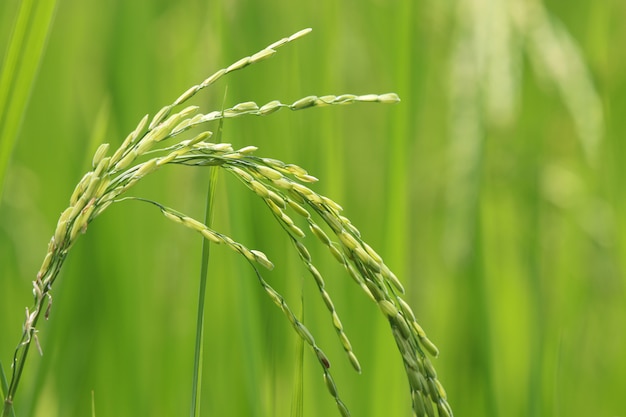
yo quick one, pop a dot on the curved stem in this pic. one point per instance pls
(19, 360)
(29, 333)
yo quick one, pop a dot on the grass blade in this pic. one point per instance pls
(3, 382)
(19, 70)
(204, 270)
(4, 388)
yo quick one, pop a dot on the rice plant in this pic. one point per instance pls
(176, 135)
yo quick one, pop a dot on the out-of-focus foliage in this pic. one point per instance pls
(493, 190)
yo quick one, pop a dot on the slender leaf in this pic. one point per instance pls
(204, 270)
(4, 388)
(3, 382)
(19, 70)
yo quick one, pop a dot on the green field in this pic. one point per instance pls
(494, 191)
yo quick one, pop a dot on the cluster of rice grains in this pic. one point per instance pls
(281, 186)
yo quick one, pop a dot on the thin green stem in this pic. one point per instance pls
(28, 336)
(8, 410)
(206, 251)
(19, 361)
(297, 404)
(3, 382)
(206, 247)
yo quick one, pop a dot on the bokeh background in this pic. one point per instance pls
(494, 190)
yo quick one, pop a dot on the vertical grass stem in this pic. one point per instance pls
(204, 270)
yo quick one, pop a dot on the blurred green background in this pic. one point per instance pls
(494, 190)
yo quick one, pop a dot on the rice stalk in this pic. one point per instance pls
(297, 402)
(4, 387)
(204, 271)
(282, 186)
